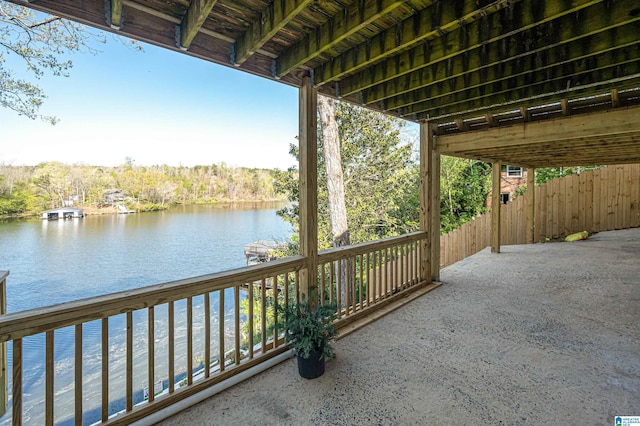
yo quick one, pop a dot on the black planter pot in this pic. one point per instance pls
(312, 367)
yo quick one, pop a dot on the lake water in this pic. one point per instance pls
(59, 261)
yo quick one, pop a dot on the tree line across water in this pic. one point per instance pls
(29, 190)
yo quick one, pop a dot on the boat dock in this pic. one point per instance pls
(62, 213)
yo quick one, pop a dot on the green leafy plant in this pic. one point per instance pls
(308, 330)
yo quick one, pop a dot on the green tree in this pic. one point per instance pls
(378, 175)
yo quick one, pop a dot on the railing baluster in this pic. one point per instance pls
(151, 350)
(49, 377)
(78, 375)
(323, 282)
(263, 314)
(275, 311)
(172, 336)
(332, 277)
(129, 361)
(251, 326)
(105, 369)
(189, 340)
(236, 309)
(336, 266)
(207, 335)
(17, 383)
(297, 284)
(360, 283)
(381, 266)
(221, 330)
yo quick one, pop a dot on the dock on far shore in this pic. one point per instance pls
(123, 210)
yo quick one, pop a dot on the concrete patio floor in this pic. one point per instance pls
(539, 334)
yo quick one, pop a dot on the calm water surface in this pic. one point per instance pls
(60, 261)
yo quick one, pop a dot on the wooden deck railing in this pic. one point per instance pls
(224, 318)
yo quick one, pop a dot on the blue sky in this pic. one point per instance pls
(157, 107)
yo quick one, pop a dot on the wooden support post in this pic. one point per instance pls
(426, 186)
(435, 214)
(531, 205)
(4, 366)
(495, 208)
(308, 178)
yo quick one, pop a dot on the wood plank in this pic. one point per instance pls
(619, 199)
(434, 228)
(334, 31)
(207, 334)
(274, 18)
(263, 314)
(604, 198)
(625, 192)
(193, 20)
(588, 201)
(495, 208)
(129, 373)
(237, 332)
(635, 195)
(596, 200)
(16, 393)
(221, 362)
(114, 13)
(77, 382)
(251, 318)
(4, 359)
(599, 125)
(612, 193)
(426, 199)
(171, 344)
(276, 301)
(151, 353)
(308, 187)
(531, 206)
(189, 340)
(105, 370)
(49, 378)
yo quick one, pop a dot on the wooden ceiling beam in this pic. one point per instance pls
(275, 17)
(114, 13)
(526, 15)
(494, 62)
(614, 122)
(193, 20)
(352, 19)
(509, 91)
(430, 23)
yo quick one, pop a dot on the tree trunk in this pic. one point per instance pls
(335, 189)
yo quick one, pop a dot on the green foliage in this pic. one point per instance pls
(546, 174)
(464, 189)
(379, 178)
(306, 329)
(29, 190)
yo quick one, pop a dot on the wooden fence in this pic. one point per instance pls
(595, 200)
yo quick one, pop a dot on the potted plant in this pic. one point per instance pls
(310, 333)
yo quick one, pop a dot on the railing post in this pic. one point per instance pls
(308, 180)
(4, 378)
(434, 234)
(531, 205)
(495, 208)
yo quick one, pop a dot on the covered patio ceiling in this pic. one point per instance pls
(461, 65)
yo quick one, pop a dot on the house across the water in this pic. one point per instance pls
(62, 213)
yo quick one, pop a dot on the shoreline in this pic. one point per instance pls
(101, 211)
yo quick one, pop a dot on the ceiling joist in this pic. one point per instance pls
(356, 16)
(432, 22)
(526, 15)
(494, 63)
(277, 15)
(114, 13)
(193, 20)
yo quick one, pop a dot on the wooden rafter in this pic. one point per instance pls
(192, 21)
(487, 65)
(461, 41)
(114, 13)
(273, 19)
(430, 23)
(356, 16)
